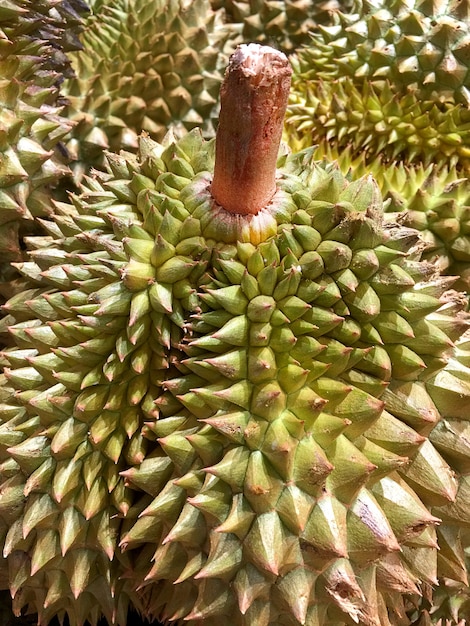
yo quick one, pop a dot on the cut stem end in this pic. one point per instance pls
(253, 104)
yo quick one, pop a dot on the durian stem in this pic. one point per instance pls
(253, 104)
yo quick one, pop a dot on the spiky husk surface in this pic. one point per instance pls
(34, 39)
(236, 403)
(285, 24)
(377, 120)
(418, 44)
(388, 79)
(145, 66)
(449, 602)
(55, 24)
(433, 199)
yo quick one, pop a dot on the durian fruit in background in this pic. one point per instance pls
(422, 44)
(285, 24)
(146, 66)
(435, 201)
(208, 414)
(35, 37)
(390, 78)
(62, 497)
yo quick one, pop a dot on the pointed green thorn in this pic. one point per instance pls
(224, 559)
(263, 541)
(296, 590)
(326, 529)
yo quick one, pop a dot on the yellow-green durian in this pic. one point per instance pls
(389, 79)
(146, 66)
(231, 404)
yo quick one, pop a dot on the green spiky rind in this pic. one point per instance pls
(30, 163)
(418, 44)
(164, 365)
(450, 391)
(145, 67)
(33, 63)
(433, 199)
(70, 443)
(376, 120)
(448, 602)
(286, 24)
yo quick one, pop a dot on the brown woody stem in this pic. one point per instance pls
(253, 104)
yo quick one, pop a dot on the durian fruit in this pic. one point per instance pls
(217, 387)
(422, 44)
(35, 37)
(281, 23)
(62, 498)
(145, 66)
(242, 527)
(389, 78)
(433, 199)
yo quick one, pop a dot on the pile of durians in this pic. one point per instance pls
(216, 410)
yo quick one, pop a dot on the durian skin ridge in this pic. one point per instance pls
(196, 358)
